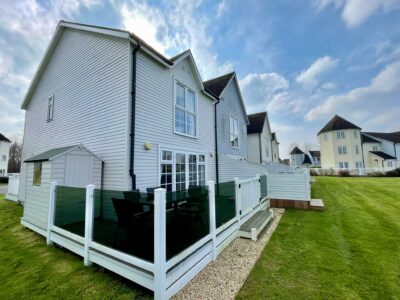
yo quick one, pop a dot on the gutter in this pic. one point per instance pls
(133, 117)
(216, 142)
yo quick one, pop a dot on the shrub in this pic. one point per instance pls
(313, 172)
(376, 174)
(393, 173)
(344, 173)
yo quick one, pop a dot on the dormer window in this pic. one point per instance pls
(50, 108)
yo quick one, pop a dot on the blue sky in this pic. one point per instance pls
(302, 61)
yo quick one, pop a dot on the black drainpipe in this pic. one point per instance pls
(259, 141)
(395, 155)
(216, 141)
(362, 154)
(133, 116)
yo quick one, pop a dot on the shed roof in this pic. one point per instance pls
(383, 155)
(338, 123)
(4, 139)
(49, 154)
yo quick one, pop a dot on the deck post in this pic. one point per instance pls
(89, 211)
(160, 244)
(50, 213)
(213, 229)
(237, 198)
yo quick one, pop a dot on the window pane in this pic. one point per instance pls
(191, 102)
(202, 175)
(179, 120)
(166, 155)
(180, 175)
(180, 95)
(191, 124)
(235, 127)
(192, 169)
(37, 173)
(202, 158)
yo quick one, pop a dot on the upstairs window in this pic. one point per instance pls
(357, 150)
(374, 148)
(355, 134)
(342, 150)
(390, 163)
(50, 108)
(325, 137)
(3, 157)
(185, 111)
(340, 135)
(37, 173)
(234, 132)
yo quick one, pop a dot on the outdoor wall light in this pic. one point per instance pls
(147, 146)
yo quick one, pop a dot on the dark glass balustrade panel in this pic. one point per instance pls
(225, 202)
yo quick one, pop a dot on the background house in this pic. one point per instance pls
(4, 154)
(296, 157)
(259, 139)
(275, 148)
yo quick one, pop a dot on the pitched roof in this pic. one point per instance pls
(217, 85)
(393, 137)
(338, 123)
(273, 135)
(4, 139)
(382, 155)
(256, 124)
(296, 150)
(315, 153)
(367, 139)
(49, 154)
(307, 160)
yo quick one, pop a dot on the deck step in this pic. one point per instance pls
(317, 204)
(253, 226)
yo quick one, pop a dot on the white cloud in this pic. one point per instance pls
(363, 102)
(174, 28)
(221, 8)
(260, 90)
(355, 12)
(310, 77)
(328, 85)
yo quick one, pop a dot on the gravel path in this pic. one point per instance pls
(223, 278)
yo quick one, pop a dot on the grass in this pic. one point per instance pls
(31, 270)
(350, 251)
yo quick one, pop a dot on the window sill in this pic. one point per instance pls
(186, 135)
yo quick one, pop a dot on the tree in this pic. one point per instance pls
(14, 163)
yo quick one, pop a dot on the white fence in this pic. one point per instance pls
(289, 185)
(13, 187)
(167, 276)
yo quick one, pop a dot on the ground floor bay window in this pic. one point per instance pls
(181, 169)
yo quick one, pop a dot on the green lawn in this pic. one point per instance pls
(350, 251)
(30, 269)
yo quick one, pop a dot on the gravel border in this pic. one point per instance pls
(223, 278)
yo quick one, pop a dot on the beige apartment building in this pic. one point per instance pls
(344, 146)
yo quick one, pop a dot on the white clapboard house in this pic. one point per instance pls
(119, 159)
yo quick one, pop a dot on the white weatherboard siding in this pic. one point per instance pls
(88, 74)
(155, 118)
(290, 186)
(253, 148)
(230, 105)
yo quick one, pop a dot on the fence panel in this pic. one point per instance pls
(290, 186)
(13, 187)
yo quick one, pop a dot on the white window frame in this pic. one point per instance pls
(357, 150)
(340, 135)
(391, 163)
(196, 114)
(355, 134)
(231, 133)
(4, 157)
(187, 153)
(374, 148)
(342, 150)
(50, 108)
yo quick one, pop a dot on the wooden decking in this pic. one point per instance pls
(252, 227)
(317, 204)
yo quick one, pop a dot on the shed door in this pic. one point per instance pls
(78, 170)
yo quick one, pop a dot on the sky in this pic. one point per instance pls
(302, 61)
